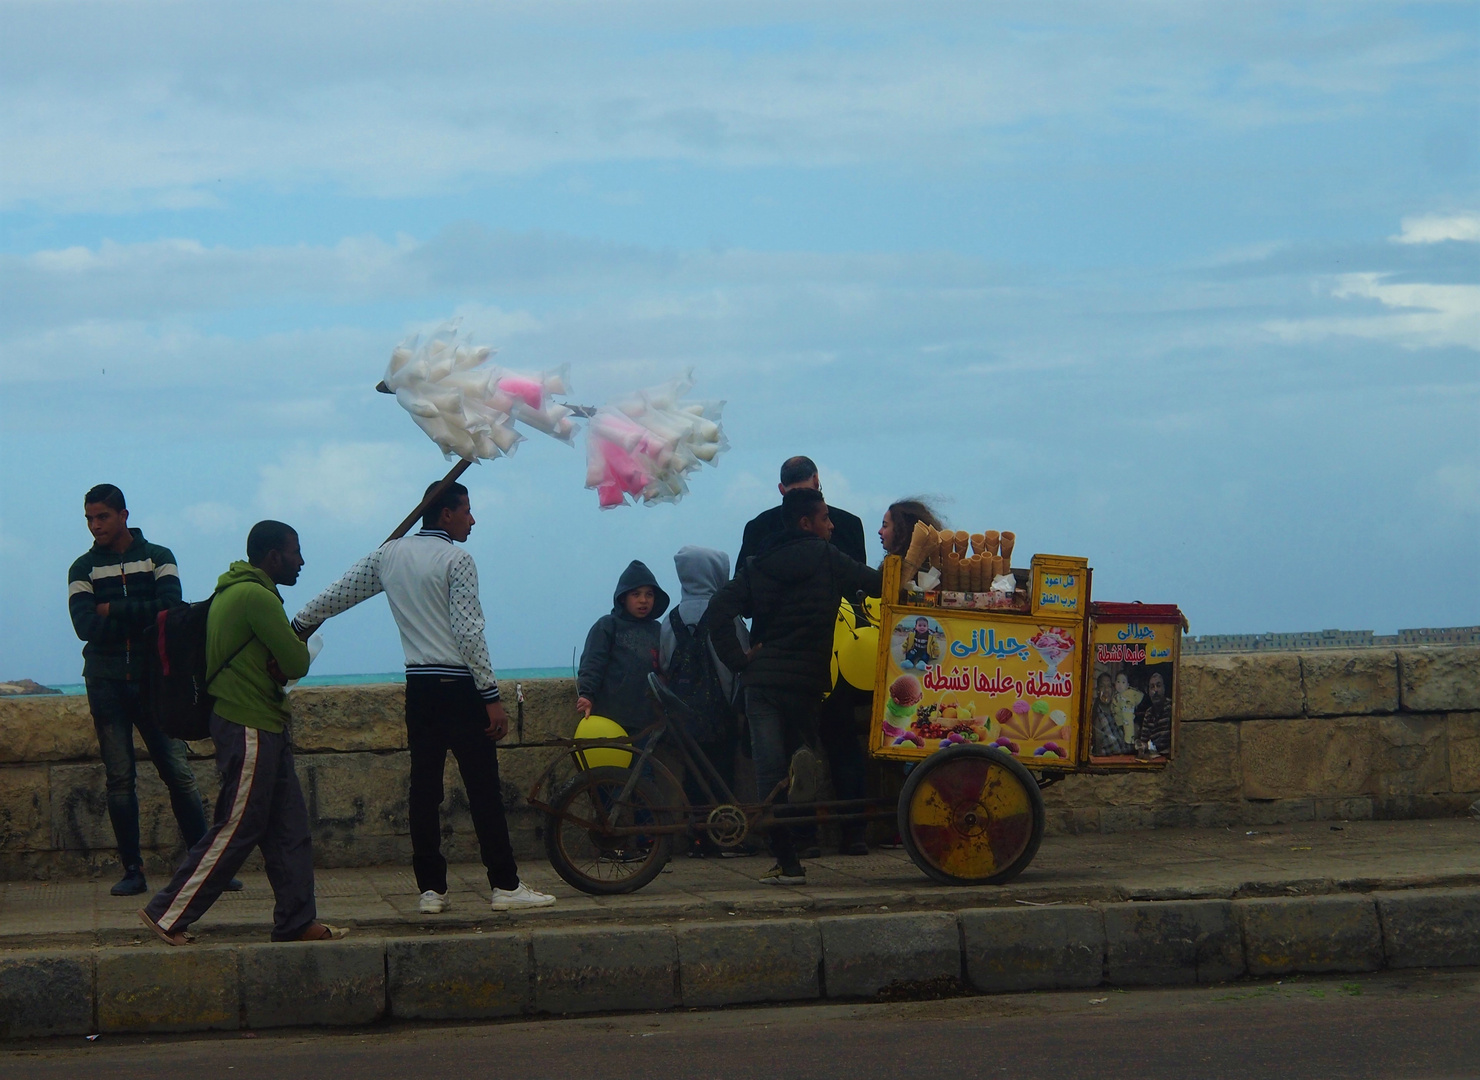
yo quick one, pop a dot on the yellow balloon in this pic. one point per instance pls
(855, 648)
(601, 727)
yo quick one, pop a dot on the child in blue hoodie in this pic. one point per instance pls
(622, 650)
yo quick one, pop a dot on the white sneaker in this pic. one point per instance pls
(522, 897)
(432, 903)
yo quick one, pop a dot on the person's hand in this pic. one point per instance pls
(276, 672)
(103, 610)
(498, 721)
(583, 706)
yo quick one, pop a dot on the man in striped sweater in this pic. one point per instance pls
(114, 592)
(452, 698)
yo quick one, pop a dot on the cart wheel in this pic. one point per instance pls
(591, 858)
(971, 815)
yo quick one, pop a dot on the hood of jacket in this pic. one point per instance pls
(702, 572)
(637, 574)
(239, 572)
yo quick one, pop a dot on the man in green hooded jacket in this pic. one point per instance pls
(255, 651)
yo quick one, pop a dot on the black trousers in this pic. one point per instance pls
(444, 712)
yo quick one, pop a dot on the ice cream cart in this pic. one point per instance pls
(993, 696)
(985, 696)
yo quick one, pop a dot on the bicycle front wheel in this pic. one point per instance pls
(593, 836)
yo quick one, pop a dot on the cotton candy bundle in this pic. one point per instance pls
(468, 406)
(644, 445)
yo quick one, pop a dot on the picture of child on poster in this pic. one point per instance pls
(918, 642)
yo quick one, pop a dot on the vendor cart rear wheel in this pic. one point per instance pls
(971, 815)
(580, 837)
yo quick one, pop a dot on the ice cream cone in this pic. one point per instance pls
(951, 575)
(961, 540)
(990, 538)
(922, 545)
(974, 574)
(1008, 540)
(978, 543)
(945, 544)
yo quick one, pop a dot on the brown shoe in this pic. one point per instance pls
(321, 932)
(179, 937)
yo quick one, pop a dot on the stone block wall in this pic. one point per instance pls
(1266, 738)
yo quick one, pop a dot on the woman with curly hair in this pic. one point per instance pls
(899, 524)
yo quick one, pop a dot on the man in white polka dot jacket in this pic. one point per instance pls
(452, 698)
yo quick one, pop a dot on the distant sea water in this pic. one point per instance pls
(505, 675)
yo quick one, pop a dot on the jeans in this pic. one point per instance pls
(780, 723)
(117, 708)
(445, 713)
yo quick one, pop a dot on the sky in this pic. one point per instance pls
(1189, 289)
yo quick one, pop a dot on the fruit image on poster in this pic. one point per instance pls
(1133, 692)
(966, 679)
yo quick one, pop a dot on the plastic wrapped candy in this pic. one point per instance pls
(643, 446)
(468, 406)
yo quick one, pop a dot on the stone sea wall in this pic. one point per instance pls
(1266, 738)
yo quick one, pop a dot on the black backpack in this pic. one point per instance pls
(179, 698)
(693, 677)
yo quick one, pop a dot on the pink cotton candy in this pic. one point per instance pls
(530, 391)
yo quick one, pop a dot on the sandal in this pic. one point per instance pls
(321, 932)
(179, 937)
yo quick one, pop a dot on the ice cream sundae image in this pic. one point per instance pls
(1052, 644)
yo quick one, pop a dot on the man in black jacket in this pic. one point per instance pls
(790, 590)
(801, 472)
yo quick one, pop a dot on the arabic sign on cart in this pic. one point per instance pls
(1133, 693)
(971, 677)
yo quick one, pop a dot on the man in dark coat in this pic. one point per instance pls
(801, 472)
(790, 591)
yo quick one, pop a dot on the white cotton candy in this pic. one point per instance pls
(453, 393)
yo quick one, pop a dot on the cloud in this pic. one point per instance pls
(339, 484)
(1420, 315)
(1437, 228)
(126, 105)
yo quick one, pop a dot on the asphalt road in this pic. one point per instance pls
(1414, 1025)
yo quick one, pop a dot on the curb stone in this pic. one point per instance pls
(163, 989)
(1033, 949)
(1172, 941)
(606, 970)
(460, 977)
(46, 993)
(737, 963)
(301, 983)
(1311, 934)
(863, 954)
(1432, 928)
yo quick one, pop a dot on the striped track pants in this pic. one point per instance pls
(260, 805)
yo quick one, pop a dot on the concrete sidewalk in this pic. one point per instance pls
(1316, 858)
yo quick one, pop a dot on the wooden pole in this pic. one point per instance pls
(431, 496)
